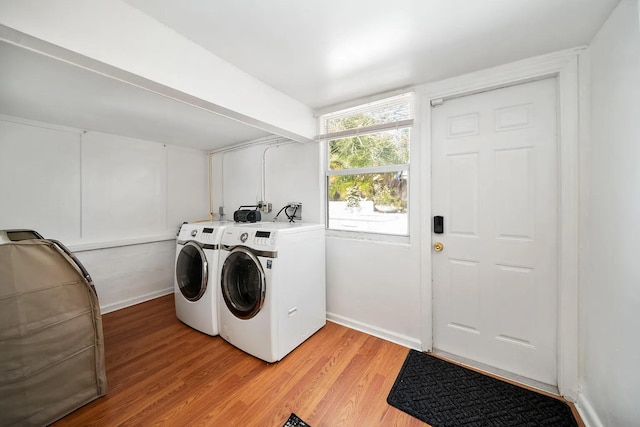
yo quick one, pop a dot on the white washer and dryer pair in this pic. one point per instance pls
(196, 280)
(273, 290)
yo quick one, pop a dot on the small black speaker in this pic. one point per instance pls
(246, 215)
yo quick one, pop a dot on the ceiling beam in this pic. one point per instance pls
(114, 39)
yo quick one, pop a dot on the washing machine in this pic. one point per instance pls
(272, 283)
(196, 275)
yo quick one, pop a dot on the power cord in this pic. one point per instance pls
(293, 216)
(285, 208)
(279, 212)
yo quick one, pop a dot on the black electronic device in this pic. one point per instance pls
(438, 224)
(247, 215)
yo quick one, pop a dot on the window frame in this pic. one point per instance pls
(326, 138)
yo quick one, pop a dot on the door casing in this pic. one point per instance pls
(564, 66)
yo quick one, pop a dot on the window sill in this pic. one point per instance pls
(368, 236)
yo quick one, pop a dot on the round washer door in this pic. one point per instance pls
(192, 271)
(243, 283)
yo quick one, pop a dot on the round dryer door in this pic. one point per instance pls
(192, 271)
(243, 283)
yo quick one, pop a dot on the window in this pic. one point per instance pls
(368, 166)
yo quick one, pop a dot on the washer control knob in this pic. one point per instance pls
(244, 237)
(193, 233)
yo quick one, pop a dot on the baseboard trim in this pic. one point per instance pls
(384, 334)
(587, 413)
(108, 308)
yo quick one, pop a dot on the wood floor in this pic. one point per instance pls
(161, 372)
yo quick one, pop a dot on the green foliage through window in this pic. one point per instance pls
(367, 176)
(388, 191)
(374, 149)
(365, 151)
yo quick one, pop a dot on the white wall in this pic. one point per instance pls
(372, 286)
(117, 34)
(40, 184)
(374, 282)
(123, 187)
(610, 272)
(115, 201)
(291, 175)
(375, 287)
(127, 275)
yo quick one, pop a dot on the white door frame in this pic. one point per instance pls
(564, 66)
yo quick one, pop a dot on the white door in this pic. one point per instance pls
(494, 165)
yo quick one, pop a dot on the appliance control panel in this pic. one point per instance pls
(264, 238)
(258, 239)
(206, 234)
(203, 234)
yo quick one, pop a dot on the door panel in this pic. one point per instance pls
(495, 182)
(463, 194)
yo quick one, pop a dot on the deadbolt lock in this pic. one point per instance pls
(438, 246)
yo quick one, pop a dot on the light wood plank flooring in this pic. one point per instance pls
(161, 372)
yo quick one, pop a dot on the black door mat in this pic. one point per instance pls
(443, 394)
(295, 421)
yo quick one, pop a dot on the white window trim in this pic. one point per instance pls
(328, 172)
(366, 130)
(374, 169)
(372, 236)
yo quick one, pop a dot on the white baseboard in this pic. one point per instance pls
(135, 300)
(587, 413)
(394, 337)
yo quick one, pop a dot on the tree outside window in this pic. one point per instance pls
(367, 174)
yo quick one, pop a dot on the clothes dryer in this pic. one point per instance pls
(196, 275)
(272, 285)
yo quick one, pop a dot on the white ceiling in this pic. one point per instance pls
(37, 87)
(320, 53)
(323, 52)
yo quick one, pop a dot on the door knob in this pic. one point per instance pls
(438, 246)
